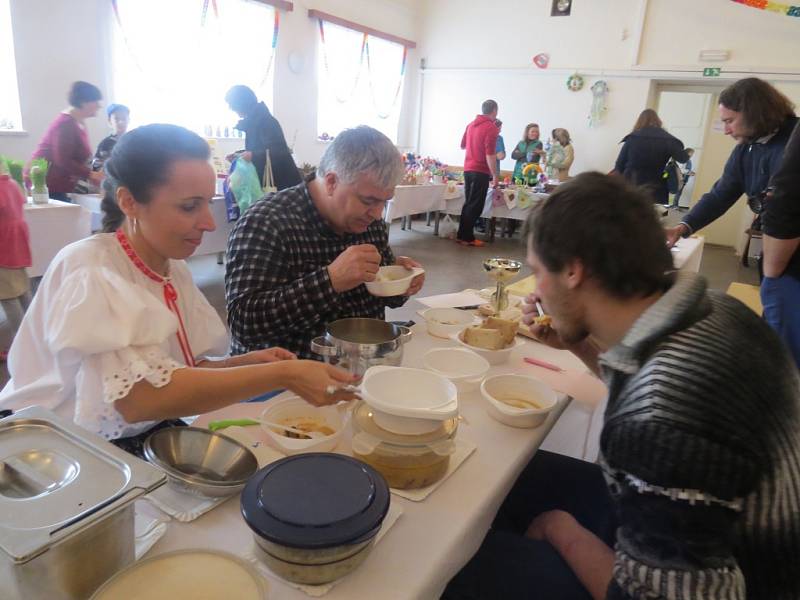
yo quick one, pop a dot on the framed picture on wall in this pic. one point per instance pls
(561, 8)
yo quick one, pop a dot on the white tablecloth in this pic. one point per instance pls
(688, 253)
(214, 242)
(415, 199)
(455, 202)
(53, 226)
(434, 538)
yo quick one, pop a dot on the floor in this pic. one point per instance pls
(450, 267)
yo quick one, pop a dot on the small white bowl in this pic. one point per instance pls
(463, 367)
(493, 357)
(291, 408)
(444, 322)
(520, 387)
(392, 280)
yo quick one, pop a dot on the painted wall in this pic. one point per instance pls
(74, 42)
(471, 56)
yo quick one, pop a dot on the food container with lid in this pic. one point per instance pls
(66, 507)
(407, 461)
(357, 344)
(194, 574)
(315, 516)
(409, 401)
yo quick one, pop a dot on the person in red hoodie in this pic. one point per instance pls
(15, 253)
(479, 140)
(65, 144)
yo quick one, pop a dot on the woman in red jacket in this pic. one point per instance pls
(65, 144)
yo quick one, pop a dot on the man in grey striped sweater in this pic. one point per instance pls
(700, 446)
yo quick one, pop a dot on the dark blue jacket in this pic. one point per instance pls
(748, 171)
(644, 155)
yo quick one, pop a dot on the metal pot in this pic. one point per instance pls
(358, 344)
(66, 507)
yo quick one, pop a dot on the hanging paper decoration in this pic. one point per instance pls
(204, 12)
(387, 113)
(275, 28)
(789, 10)
(541, 60)
(575, 82)
(327, 67)
(599, 100)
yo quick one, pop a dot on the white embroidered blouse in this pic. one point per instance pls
(97, 326)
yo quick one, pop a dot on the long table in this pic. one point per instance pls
(411, 200)
(434, 538)
(53, 226)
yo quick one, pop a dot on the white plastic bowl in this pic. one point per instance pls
(493, 357)
(523, 388)
(294, 407)
(444, 322)
(463, 367)
(409, 401)
(392, 280)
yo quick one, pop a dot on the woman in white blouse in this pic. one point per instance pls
(118, 337)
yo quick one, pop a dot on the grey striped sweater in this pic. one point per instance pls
(701, 448)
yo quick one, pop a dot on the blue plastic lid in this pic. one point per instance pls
(316, 500)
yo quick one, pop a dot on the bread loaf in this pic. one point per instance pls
(480, 337)
(507, 328)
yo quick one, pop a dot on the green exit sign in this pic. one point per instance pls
(711, 72)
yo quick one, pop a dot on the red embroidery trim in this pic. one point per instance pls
(170, 295)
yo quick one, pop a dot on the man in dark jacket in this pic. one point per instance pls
(760, 119)
(263, 134)
(645, 152)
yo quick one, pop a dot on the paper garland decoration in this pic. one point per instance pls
(599, 100)
(362, 53)
(575, 83)
(789, 10)
(541, 60)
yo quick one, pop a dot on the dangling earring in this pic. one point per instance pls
(134, 226)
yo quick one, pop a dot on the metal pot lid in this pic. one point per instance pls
(57, 478)
(363, 331)
(316, 500)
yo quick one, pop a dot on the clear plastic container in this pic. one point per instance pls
(405, 461)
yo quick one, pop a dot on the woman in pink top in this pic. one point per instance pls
(15, 252)
(65, 144)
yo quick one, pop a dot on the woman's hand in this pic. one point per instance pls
(268, 355)
(314, 381)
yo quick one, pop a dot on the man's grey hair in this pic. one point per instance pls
(362, 150)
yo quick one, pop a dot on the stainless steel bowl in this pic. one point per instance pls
(357, 344)
(201, 462)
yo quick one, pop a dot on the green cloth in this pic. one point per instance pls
(525, 147)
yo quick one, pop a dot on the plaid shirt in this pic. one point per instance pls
(277, 285)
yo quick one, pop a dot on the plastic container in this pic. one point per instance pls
(409, 401)
(493, 357)
(463, 367)
(278, 411)
(315, 516)
(405, 461)
(444, 322)
(393, 280)
(507, 395)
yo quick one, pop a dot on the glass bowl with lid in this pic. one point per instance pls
(406, 461)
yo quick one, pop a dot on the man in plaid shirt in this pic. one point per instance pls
(298, 259)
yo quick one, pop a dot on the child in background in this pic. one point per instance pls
(118, 118)
(15, 253)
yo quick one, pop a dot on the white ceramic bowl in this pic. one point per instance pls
(519, 387)
(493, 357)
(409, 401)
(463, 367)
(392, 280)
(444, 322)
(291, 408)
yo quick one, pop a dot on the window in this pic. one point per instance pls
(360, 81)
(10, 117)
(174, 61)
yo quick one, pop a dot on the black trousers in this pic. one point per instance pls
(509, 565)
(476, 186)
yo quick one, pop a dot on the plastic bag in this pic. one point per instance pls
(243, 182)
(447, 227)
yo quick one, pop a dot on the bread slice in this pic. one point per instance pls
(480, 337)
(507, 328)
